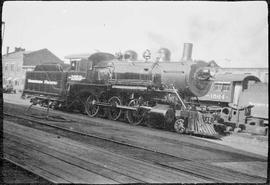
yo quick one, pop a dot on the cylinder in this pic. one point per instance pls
(187, 51)
(162, 112)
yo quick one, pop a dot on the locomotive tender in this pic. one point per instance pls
(106, 86)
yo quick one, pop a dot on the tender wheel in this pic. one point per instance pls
(113, 112)
(179, 126)
(134, 117)
(90, 107)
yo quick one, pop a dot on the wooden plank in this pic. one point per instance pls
(67, 171)
(255, 168)
(212, 170)
(72, 159)
(130, 167)
(33, 167)
(32, 160)
(218, 173)
(36, 170)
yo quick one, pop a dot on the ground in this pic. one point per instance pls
(243, 141)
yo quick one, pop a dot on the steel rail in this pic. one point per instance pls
(186, 171)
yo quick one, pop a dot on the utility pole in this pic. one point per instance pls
(3, 32)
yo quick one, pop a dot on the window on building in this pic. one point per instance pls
(22, 82)
(6, 67)
(12, 67)
(18, 68)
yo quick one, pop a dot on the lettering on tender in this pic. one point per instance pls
(50, 82)
(42, 82)
(35, 81)
(76, 77)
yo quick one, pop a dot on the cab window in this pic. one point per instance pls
(217, 87)
(226, 87)
(82, 65)
(73, 65)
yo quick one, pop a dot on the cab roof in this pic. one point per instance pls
(235, 77)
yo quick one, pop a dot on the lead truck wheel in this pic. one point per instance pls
(90, 107)
(179, 126)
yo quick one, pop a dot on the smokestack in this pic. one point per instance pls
(187, 51)
(7, 50)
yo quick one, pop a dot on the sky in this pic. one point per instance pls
(234, 34)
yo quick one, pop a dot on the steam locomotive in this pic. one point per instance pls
(153, 92)
(240, 100)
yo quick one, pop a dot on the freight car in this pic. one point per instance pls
(240, 101)
(154, 92)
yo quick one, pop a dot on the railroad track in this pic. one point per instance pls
(188, 170)
(113, 131)
(114, 166)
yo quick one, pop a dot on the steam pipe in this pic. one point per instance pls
(178, 96)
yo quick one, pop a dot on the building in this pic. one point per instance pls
(261, 73)
(16, 63)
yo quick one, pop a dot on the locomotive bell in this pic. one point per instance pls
(147, 54)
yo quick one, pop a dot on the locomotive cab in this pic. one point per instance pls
(99, 67)
(85, 70)
(78, 70)
(79, 65)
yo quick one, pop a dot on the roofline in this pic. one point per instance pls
(244, 68)
(78, 56)
(27, 66)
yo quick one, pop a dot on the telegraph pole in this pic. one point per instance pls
(3, 32)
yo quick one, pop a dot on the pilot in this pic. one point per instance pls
(164, 55)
